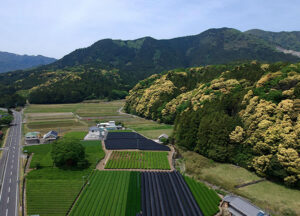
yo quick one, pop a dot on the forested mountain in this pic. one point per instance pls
(247, 114)
(11, 62)
(109, 68)
(286, 40)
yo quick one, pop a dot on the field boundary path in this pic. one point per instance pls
(250, 183)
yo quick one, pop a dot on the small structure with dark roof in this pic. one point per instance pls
(239, 206)
(50, 136)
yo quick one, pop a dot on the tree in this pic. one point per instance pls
(6, 120)
(68, 153)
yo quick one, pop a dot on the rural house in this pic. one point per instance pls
(94, 133)
(238, 206)
(32, 138)
(50, 136)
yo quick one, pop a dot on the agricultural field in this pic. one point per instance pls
(207, 199)
(110, 193)
(138, 160)
(79, 116)
(227, 176)
(50, 190)
(166, 193)
(48, 197)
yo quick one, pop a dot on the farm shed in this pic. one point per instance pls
(163, 137)
(238, 206)
(111, 125)
(51, 135)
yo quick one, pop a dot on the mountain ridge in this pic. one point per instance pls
(122, 63)
(11, 61)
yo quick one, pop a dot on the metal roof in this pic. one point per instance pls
(54, 133)
(242, 205)
(94, 128)
(32, 134)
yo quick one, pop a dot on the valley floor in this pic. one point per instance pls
(275, 198)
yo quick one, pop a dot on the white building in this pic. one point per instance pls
(94, 134)
(107, 124)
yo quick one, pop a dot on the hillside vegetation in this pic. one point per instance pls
(246, 114)
(109, 68)
(287, 40)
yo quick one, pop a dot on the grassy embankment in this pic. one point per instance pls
(273, 197)
(50, 190)
(78, 117)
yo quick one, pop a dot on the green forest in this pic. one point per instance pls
(246, 114)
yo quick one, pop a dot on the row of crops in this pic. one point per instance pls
(138, 160)
(110, 193)
(206, 198)
(123, 193)
(45, 197)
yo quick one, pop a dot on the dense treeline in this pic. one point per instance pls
(246, 114)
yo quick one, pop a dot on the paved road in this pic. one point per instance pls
(9, 170)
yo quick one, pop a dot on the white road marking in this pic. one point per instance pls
(7, 200)
(12, 166)
(10, 172)
(13, 156)
(6, 212)
(13, 161)
(10, 180)
(8, 189)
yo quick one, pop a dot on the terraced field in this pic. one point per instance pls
(207, 199)
(138, 160)
(110, 193)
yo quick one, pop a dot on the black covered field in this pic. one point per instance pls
(167, 194)
(124, 135)
(132, 140)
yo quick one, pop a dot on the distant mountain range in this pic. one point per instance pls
(11, 61)
(109, 68)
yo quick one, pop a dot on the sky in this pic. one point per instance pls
(55, 28)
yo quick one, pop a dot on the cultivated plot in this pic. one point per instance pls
(50, 190)
(114, 193)
(166, 193)
(138, 160)
(132, 140)
(207, 199)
